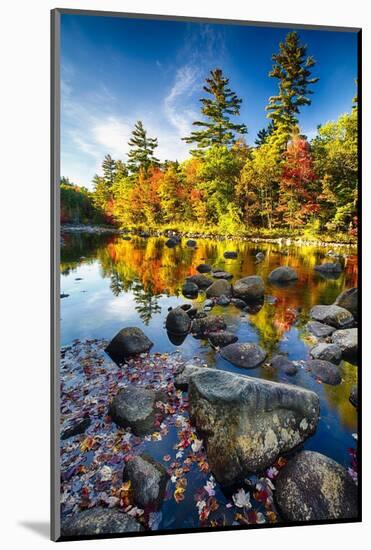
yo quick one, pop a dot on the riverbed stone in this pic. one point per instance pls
(223, 300)
(135, 407)
(191, 243)
(238, 303)
(282, 363)
(177, 321)
(181, 379)
(329, 267)
(127, 342)
(222, 338)
(260, 256)
(190, 290)
(332, 315)
(326, 372)
(99, 521)
(204, 268)
(230, 254)
(247, 422)
(320, 330)
(313, 487)
(222, 275)
(172, 242)
(202, 281)
(347, 340)
(218, 288)
(349, 300)
(243, 355)
(75, 427)
(148, 481)
(327, 352)
(249, 288)
(282, 275)
(203, 326)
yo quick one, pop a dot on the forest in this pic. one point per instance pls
(284, 184)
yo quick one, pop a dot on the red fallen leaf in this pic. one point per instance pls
(252, 516)
(261, 496)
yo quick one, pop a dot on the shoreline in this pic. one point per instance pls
(283, 240)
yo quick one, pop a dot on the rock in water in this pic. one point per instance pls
(129, 341)
(191, 243)
(327, 352)
(284, 364)
(177, 321)
(190, 290)
(324, 371)
(222, 275)
(260, 256)
(135, 407)
(218, 288)
(230, 254)
(203, 326)
(222, 338)
(202, 281)
(203, 268)
(330, 267)
(349, 300)
(246, 422)
(249, 288)
(75, 427)
(245, 356)
(347, 340)
(313, 487)
(223, 300)
(282, 275)
(335, 316)
(320, 329)
(239, 304)
(172, 242)
(148, 481)
(99, 521)
(181, 379)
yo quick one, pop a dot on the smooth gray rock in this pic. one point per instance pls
(230, 254)
(202, 281)
(75, 427)
(99, 521)
(326, 372)
(260, 256)
(222, 275)
(129, 341)
(203, 268)
(320, 330)
(218, 288)
(247, 422)
(190, 290)
(313, 487)
(238, 303)
(332, 315)
(249, 288)
(245, 356)
(223, 300)
(148, 481)
(177, 321)
(284, 364)
(331, 267)
(282, 275)
(326, 352)
(135, 407)
(172, 242)
(222, 338)
(191, 243)
(347, 340)
(349, 300)
(181, 379)
(202, 327)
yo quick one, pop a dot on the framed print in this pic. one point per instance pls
(205, 306)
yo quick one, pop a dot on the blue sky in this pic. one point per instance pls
(115, 71)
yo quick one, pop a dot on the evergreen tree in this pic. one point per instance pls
(109, 170)
(292, 69)
(218, 129)
(142, 148)
(264, 134)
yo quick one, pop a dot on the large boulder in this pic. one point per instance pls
(249, 288)
(245, 356)
(202, 281)
(190, 290)
(135, 407)
(347, 340)
(313, 487)
(203, 326)
(282, 275)
(326, 352)
(218, 288)
(320, 330)
(203, 268)
(129, 341)
(333, 315)
(222, 338)
(326, 372)
(246, 422)
(148, 481)
(349, 300)
(177, 321)
(183, 375)
(282, 363)
(99, 521)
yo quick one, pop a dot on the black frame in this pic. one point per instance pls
(55, 271)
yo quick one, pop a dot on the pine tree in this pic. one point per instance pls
(292, 69)
(109, 170)
(142, 147)
(264, 134)
(218, 129)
